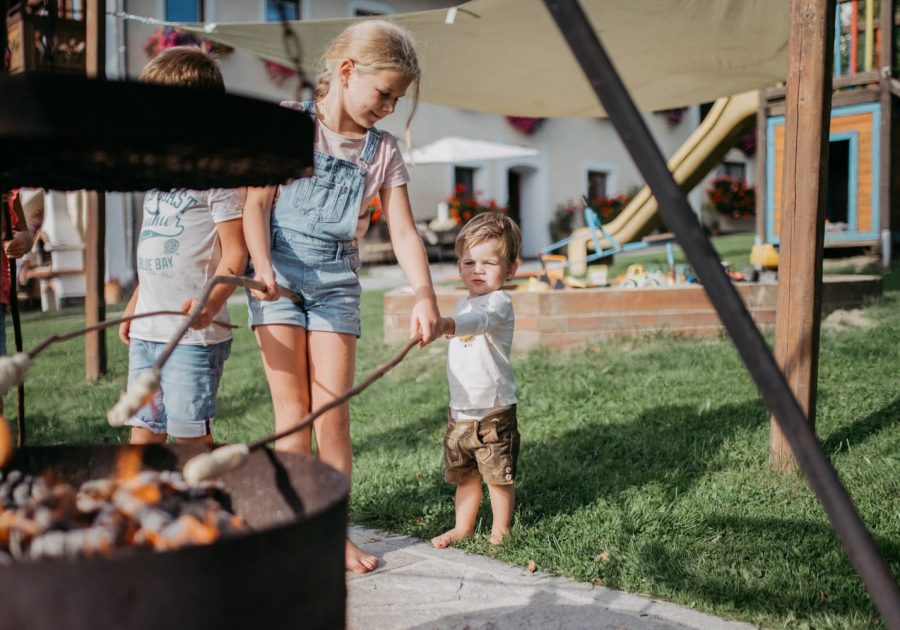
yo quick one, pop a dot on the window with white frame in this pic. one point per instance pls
(292, 10)
(184, 10)
(465, 176)
(733, 169)
(365, 8)
(597, 183)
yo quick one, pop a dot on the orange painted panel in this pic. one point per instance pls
(862, 125)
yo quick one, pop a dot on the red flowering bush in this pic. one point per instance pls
(525, 124)
(463, 206)
(608, 208)
(278, 73)
(163, 38)
(732, 195)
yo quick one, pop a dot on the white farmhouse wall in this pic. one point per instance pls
(569, 147)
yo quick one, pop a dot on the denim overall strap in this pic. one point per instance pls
(326, 206)
(373, 137)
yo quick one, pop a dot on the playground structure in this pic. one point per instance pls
(863, 176)
(728, 119)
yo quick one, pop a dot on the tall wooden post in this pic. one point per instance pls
(886, 65)
(807, 119)
(95, 237)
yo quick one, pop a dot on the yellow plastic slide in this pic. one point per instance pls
(727, 120)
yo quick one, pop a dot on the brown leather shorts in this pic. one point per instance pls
(489, 446)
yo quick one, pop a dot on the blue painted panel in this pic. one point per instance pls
(852, 233)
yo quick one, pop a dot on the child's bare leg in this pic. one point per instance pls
(140, 435)
(332, 362)
(468, 500)
(283, 350)
(503, 503)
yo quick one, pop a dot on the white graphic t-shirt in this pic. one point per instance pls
(178, 252)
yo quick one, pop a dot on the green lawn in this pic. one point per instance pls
(643, 464)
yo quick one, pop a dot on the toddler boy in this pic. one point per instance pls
(482, 441)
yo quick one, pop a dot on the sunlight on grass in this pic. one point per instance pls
(643, 464)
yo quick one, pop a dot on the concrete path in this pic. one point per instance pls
(417, 586)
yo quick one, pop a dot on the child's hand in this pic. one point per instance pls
(125, 332)
(203, 320)
(19, 245)
(267, 277)
(446, 326)
(424, 320)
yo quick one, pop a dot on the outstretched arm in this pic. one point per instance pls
(257, 218)
(410, 253)
(233, 262)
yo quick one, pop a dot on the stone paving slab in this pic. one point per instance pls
(417, 586)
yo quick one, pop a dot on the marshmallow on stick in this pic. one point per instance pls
(140, 391)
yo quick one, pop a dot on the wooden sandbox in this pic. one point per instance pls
(573, 317)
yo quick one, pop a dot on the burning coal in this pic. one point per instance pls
(147, 509)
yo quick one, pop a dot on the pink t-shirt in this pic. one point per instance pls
(386, 170)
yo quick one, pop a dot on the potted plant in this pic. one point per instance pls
(463, 206)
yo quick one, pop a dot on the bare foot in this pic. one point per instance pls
(449, 537)
(357, 560)
(497, 537)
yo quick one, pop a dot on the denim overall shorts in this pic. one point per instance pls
(314, 248)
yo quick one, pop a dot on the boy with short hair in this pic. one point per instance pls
(187, 237)
(482, 440)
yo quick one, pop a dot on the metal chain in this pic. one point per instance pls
(292, 50)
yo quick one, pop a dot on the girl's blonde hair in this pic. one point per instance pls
(487, 226)
(373, 45)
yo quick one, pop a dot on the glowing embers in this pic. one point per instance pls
(40, 518)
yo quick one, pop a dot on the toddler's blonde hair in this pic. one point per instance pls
(373, 45)
(187, 66)
(487, 226)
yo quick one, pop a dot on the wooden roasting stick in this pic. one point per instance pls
(13, 369)
(142, 388)
(231, 456)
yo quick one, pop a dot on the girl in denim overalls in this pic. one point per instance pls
(307, 243)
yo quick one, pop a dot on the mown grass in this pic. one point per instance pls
(643, 464)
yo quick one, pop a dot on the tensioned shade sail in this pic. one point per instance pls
(508, 57)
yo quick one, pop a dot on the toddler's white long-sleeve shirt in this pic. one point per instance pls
(478, 367)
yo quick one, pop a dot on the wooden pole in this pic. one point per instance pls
(886, 64)
(95, 237)
(870, 33)
(807, 118)
(854, 35)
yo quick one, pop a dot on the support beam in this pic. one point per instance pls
(632, 129)
(805, 182)
(885, 170)
(94, 251)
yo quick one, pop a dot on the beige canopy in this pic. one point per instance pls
(508, 57)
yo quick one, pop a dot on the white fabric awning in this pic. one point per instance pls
(508, 56)
(454, 149)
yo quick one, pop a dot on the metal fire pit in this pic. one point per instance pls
(287, 573)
